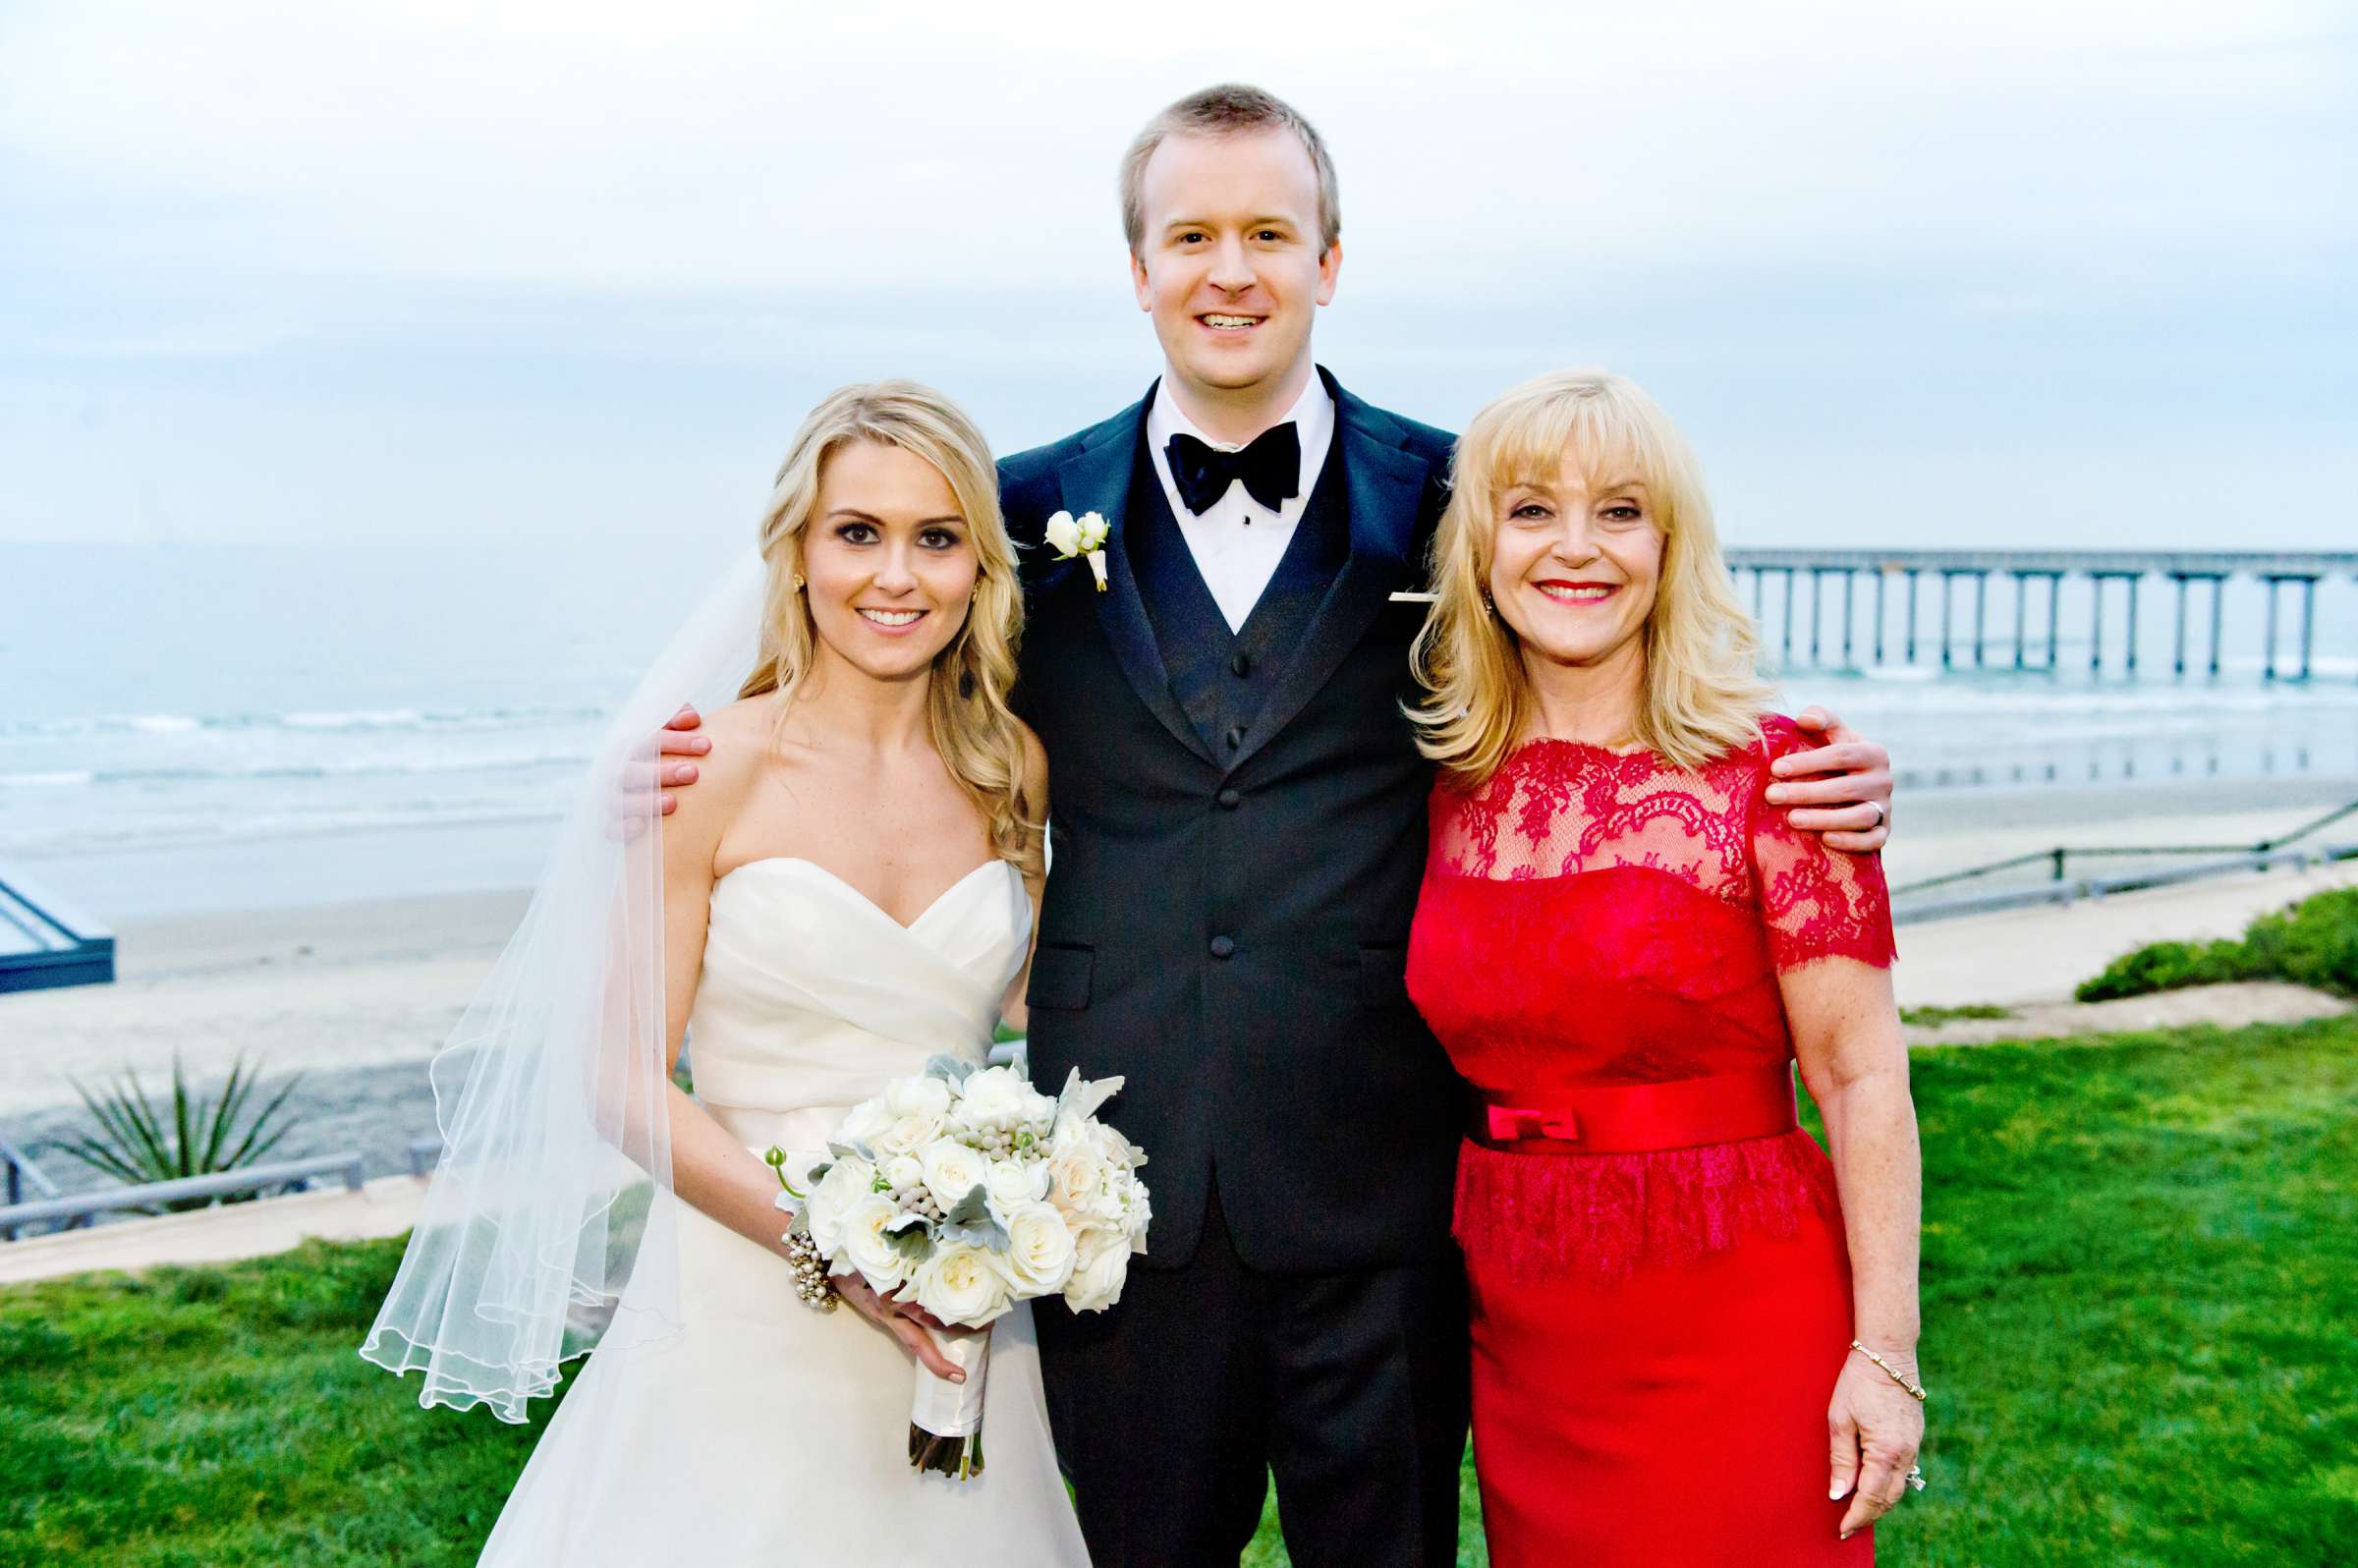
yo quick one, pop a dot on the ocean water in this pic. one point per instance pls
(191, 727)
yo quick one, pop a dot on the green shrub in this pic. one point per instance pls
(2314, 942)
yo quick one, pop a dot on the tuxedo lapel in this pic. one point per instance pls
(1385, 486)
(1097, 480)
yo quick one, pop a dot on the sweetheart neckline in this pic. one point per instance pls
(939, 899)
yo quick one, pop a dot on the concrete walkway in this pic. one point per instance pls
(2228, 1006)
(386, 1206)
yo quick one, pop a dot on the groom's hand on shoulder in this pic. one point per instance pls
(1842, 789)
(680, 737)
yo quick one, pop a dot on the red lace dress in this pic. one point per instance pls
(1655, 1334)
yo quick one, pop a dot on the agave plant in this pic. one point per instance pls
(136, 1145)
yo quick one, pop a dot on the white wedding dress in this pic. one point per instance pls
(766, 1432)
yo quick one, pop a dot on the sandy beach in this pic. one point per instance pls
(358, 995)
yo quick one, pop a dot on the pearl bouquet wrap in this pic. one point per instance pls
(963, 1191)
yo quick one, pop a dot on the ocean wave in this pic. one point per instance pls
(382, 718)
(261, 771)
(388, 719)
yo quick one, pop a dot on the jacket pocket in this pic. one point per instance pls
(1060, 975)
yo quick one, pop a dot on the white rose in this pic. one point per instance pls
(960, 1285)
(864, 1123)
(903, 1170)
(994, 1097)
(908, 1133)
(952, 1170)
(846, 1182)
(1039, 1112)
(1075, 1174)
(1041, 1250)
(866, 1248)
(1092, 530)
(921, 1096)
(1112, 1147)
(1013, 1183)
(1101, 1269)
(1063, 534)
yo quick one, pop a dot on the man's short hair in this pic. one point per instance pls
(1226, 110)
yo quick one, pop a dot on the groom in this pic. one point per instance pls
(1238, 837)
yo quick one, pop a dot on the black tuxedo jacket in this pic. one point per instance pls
(1227, 918)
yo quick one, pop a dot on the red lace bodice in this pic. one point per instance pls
(1588, 917)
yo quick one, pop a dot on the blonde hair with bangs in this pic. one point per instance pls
(1703, 696)
(977, 734)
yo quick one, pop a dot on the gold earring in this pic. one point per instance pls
(798, 582)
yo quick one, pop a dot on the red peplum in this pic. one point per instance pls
(1658, 1328)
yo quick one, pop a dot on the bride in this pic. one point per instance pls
(850, 893)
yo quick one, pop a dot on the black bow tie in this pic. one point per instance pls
(1272, 469)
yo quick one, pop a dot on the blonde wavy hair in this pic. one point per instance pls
(1703, 696)
(974, 731)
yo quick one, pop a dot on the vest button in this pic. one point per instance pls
(1236, 737)
(1241, 665)
(1223, 947)
(1232, 798)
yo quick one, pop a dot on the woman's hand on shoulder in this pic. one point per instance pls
(735, 737)
(682, 736)
(1841, 788)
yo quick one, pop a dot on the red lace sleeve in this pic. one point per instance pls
(1817, 902)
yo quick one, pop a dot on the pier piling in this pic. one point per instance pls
(2022, 595)
(1850, 580)
(1981, 616)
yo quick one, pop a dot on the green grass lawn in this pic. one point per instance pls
(2141, 1284)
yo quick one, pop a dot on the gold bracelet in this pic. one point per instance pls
(1915, 1389)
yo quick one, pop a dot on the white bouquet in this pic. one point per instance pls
(964, 1189)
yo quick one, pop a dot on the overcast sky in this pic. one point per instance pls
(2032, 273)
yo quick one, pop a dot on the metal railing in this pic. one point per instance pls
(2058, 859)
(2062, 887)
(80, 1208)
(22, 1173)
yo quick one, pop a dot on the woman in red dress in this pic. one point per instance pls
(1694, 1334)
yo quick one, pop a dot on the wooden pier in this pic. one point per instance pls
(2038, 626)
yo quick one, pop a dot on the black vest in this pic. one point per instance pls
(1221, 677)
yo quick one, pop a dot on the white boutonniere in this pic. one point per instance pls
(1084, 537)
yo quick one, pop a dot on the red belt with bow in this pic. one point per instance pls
(1639, 1118)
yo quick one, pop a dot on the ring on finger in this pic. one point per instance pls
(1881, 815)
(1914, 1478)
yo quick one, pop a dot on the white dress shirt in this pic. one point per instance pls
(1236, 544)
